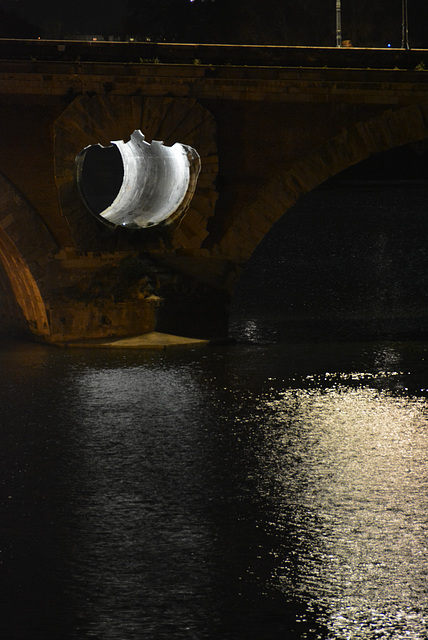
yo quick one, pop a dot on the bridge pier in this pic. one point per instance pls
(125, 294)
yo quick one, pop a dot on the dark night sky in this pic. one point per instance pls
(305, 22)
(93, 16)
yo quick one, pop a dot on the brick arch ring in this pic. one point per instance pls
(101, 120)
(362, 140)
(25, 247)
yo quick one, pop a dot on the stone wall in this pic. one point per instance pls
(266, 135)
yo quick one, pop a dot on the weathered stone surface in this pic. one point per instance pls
(73, 320)
(266, 136)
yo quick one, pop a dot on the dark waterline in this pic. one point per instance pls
(273, 489)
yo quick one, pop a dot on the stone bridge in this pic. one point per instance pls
(268, 123)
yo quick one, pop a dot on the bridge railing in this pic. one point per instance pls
(212, 54)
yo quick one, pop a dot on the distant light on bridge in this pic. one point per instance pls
(404, 25)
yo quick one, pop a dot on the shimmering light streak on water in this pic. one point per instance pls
(139, 532)
(345, 472)
(274, 492)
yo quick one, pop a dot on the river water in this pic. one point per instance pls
(272, 489)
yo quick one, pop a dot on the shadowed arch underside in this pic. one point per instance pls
(25, 245)
(102, 119)
(359, 142)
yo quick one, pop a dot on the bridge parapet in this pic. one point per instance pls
(132, 52)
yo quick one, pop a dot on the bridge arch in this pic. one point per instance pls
(360, 141)
(25, 244)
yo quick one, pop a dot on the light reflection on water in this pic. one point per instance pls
(239, 493)
(140, 535)
(361, 486)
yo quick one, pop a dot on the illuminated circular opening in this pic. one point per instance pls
(137, 184)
